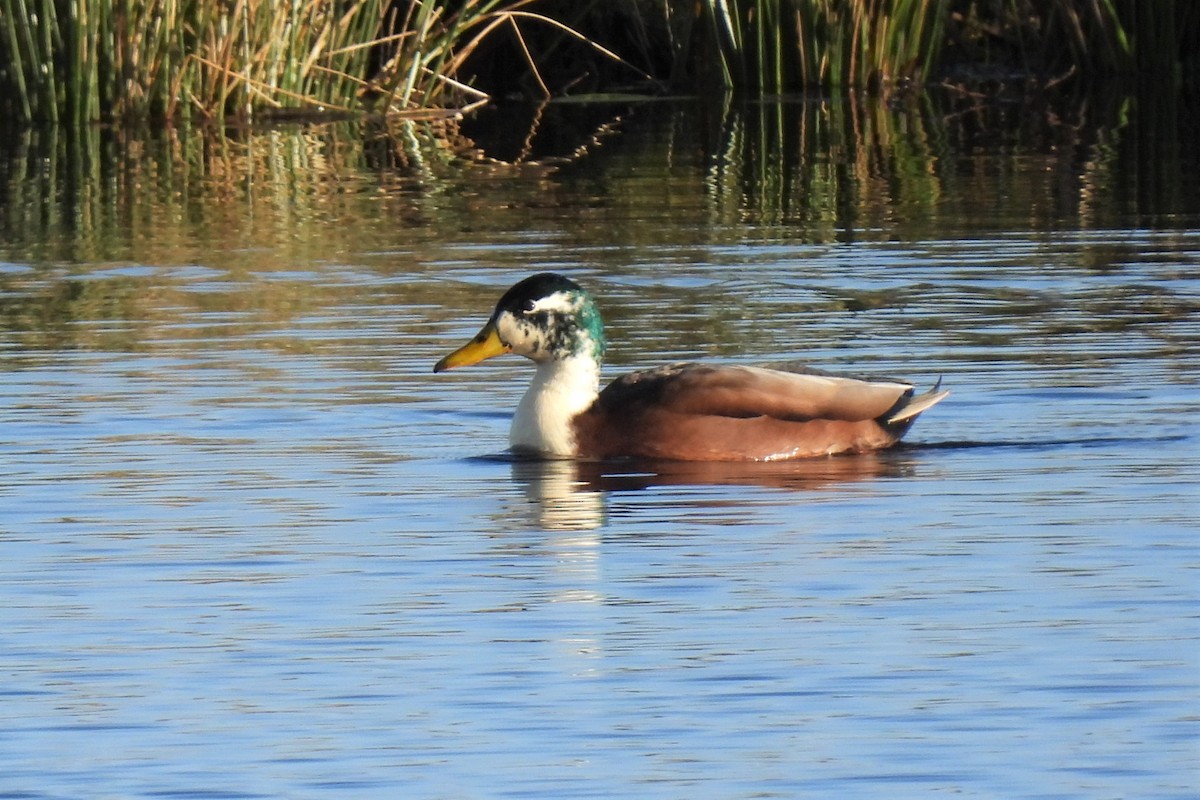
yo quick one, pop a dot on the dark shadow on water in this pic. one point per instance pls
(627, 474)
(573, 495)
(617, 474)
(1048, 444)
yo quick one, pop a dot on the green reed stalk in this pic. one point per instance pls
(1087, 36)
(80, 60)
(770, 46)
(91, 59)
(26, 49)
(773, 46)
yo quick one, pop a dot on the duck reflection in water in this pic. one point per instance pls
(561, 494)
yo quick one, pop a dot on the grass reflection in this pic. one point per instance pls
(828, 168)
(90, 195)
(846, 167)
(362, 202)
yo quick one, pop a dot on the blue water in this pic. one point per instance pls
(252, 547)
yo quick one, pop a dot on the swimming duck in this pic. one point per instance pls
(687, 411)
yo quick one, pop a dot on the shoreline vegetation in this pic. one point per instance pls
(240, 61)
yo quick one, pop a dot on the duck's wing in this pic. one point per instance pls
(747, 391)
(731, 412)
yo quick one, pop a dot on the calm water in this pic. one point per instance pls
(252, 547)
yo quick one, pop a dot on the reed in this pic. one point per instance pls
(103, 59)
(1048, 38)
(773, 46)
(84, 60)
(95, 59)
(778, 46)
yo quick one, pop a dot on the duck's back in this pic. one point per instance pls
(701, 412)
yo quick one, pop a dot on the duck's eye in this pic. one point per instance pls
(528, 307)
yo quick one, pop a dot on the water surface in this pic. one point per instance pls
(252, 547)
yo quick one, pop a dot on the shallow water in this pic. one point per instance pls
(252, 547)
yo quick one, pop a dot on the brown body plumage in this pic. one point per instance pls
(698, 412)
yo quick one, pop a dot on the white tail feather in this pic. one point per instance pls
(921, 402)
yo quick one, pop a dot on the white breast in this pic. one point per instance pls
(560, 390)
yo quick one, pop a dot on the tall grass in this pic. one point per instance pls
(775, 46)
(437, 44)
(84, 60)
(92, 59)
(95, 59)
(1048, 38)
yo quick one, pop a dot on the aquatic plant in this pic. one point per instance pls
(86, 60)
(1048, 39)
(775, 46)
(772, 46)
(93, 59)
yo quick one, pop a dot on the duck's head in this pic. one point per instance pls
(545, 317)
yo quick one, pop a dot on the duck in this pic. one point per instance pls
(692, 411)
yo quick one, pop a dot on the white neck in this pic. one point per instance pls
(560, 390)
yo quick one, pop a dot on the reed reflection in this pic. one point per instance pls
(831, 168)
(842, 168)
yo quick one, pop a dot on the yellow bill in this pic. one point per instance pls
(485, 345)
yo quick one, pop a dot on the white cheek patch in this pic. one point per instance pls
(522, 337)
(548, 329)
(508, 328)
